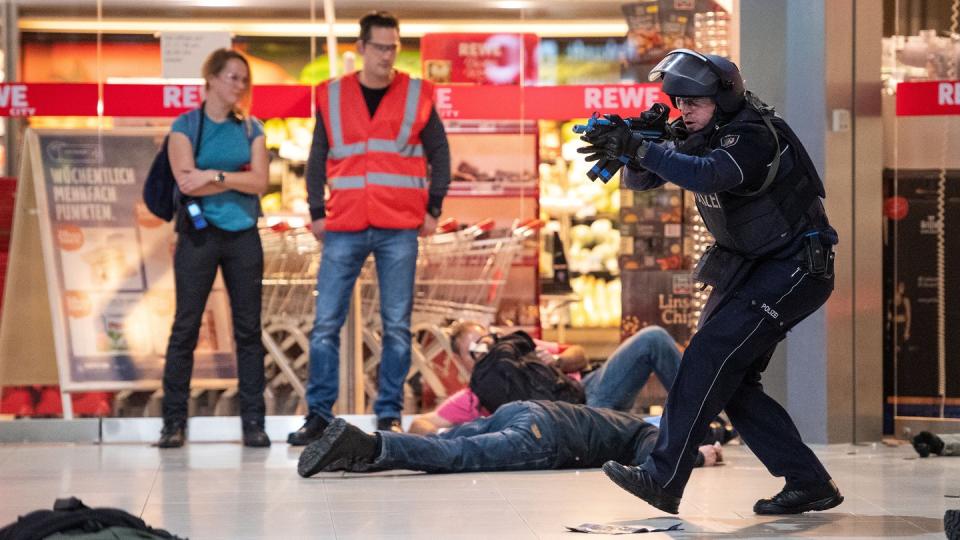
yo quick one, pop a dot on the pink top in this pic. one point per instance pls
(464, 406)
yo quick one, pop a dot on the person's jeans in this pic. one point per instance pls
(195, 262)
(616, 384)
(395, 253)
(517, 437)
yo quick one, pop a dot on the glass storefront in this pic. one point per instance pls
(921, 199)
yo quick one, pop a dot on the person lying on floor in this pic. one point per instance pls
(614, 385)
(945, 444)
(521, 435)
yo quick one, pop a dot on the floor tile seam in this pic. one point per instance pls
(153, 485)
(512, 507)
(329, 504)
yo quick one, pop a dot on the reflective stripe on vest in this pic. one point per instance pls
(381, 179)
(339, 150)
(347, 182)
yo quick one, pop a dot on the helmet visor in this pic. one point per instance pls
(686, 65)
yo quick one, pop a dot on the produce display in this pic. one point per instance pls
(586, 215)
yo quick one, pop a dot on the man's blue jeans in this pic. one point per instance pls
(523, 435)
(515, 438)
(395, 253)
(616, 384)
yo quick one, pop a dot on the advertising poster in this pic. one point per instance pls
(656, 27)
(109, 264)
(479, 58)
(911, 285)
(661, 298)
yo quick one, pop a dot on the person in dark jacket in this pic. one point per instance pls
(519, 436)
(771, 266)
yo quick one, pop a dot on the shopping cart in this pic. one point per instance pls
(460, 275)
(289, 300)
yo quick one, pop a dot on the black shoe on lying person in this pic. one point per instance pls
(312, 429)
(342, 447)
(796, 501)
(638, 481)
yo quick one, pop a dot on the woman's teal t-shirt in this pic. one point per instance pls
(225, 146)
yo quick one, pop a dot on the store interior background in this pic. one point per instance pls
(849, 373)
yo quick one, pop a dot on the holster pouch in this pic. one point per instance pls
(719, 267)
(819, 258)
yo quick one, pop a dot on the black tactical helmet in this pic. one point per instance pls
(687, 73)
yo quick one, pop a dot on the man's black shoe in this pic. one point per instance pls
(342, 447)
(796, 501)
(254, 436)
(639, 482)
(311, 430)
(389, 424)
(173, 435)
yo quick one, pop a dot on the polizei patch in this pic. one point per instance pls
(729, 140)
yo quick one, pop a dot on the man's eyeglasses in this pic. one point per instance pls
(383, 48)
(693, 102)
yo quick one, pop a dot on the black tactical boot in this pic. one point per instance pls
(796, 501)
(639, 482)
(173, 434)
(342, 447)
(312, 429)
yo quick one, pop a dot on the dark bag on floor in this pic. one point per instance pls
(511, 371)
(71, 516)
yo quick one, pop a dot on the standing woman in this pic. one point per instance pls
(220, 162)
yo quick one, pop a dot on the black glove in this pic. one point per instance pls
(611, 141)
(621, 142)
(596, 137)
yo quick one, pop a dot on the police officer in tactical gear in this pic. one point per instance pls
(771, 266)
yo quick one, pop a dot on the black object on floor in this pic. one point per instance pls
(951, 524)
(70, 516)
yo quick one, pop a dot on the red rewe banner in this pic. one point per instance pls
(48, 99)
(453, 102)
(928, 98)
(544, 102)
(269, 101)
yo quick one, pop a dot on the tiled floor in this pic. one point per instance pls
(214, 490)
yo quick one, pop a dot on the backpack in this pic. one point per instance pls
(511, 371)
(160, 191)
(71, 516)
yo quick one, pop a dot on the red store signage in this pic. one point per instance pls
(454, 102)
(479, 58)
(48, 99)
(269, 101)
(928, 98)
